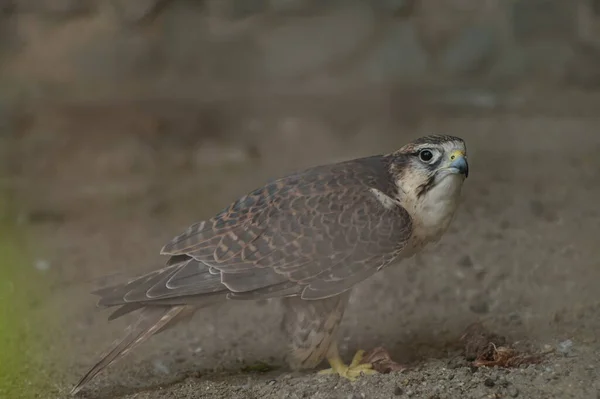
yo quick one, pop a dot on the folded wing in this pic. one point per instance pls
(314, 234)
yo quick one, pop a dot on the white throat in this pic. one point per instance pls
(434, 210)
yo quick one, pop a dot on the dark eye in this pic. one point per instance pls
(425, 155)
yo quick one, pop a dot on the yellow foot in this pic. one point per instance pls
(351, 372)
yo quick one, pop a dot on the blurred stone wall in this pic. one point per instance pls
(104, 49)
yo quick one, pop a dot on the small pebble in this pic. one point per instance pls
(512, 391)
(547, 349)
(489, 382)
(465, 261)
(398, 391)
(515, 318)
(160, 367)
(479, 306)
(565, 347)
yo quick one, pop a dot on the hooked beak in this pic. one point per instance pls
(458, 163)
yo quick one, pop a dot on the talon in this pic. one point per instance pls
(326, 372)
(358, 356)
(351, 372)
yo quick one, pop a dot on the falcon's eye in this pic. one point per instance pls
(425, 155)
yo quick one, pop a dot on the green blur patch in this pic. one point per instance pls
(25, 330)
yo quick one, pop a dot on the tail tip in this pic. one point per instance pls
(75, 390)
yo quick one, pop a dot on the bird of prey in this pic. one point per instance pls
(307, 238)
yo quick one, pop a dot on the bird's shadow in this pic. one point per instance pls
(118, 390)
(413, 349)
(408, 352)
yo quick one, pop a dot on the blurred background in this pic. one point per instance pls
(124, 121)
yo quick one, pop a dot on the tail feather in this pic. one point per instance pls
(151, 321)
(123, 310)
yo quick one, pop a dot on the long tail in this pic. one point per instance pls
(152, 320)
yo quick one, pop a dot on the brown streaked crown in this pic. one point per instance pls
(433, 139)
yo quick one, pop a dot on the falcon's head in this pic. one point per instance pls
(435, 163)
(429, 174)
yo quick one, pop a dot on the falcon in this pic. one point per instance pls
(306, 238)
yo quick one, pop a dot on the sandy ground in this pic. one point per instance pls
(521, 256)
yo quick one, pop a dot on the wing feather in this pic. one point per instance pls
(316, 233)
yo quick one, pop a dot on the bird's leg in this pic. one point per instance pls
(350, 372)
